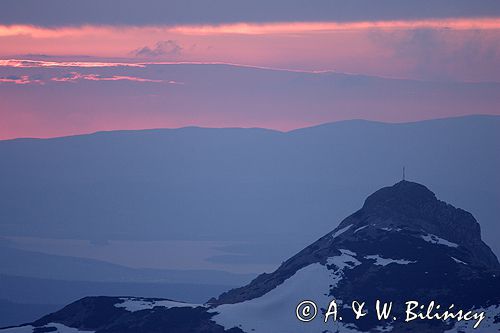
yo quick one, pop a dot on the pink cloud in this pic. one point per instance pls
(22, 63)
(75, 76)
(310, 27)
(252, 28)
(23, 79)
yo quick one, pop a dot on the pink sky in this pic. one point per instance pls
(108, 73)
(457, 49)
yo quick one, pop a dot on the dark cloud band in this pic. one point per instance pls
(151, 12)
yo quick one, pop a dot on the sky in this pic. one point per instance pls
(84, 66)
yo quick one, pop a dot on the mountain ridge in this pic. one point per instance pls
(253, 128)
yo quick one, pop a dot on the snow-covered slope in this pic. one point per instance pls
(274, 311)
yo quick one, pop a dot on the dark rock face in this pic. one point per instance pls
(414, 207)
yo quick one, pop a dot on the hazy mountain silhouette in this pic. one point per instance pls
(239, 184)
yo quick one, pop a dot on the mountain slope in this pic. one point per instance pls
(402, 245)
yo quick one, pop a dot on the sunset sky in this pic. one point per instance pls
(84, 66)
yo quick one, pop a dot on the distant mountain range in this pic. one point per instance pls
(33, 283)
(403, 245)
(239, 184)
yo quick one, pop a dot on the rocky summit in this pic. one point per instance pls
(404, 248)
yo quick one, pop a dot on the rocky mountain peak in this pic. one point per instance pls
(413, 208)
(402, 195)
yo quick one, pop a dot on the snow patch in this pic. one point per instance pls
(390, 229)
(386, 261)
(459, 261)
(488, 325)
(60, 328)
(437, 240)
(341, 231)
(22, 329)
(274, 312)
(360, 228)
(134, 304)
(384, 328)
(346, 259)
(337, 265)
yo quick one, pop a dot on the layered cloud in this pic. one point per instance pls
(23, 63)
(22, 79)
(75, 76)
(464, 49)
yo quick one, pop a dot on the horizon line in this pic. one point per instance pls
(253, 127)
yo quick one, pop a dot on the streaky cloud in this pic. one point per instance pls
(23, 79)
(23, 63)
(246, 28)
(75, 76)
